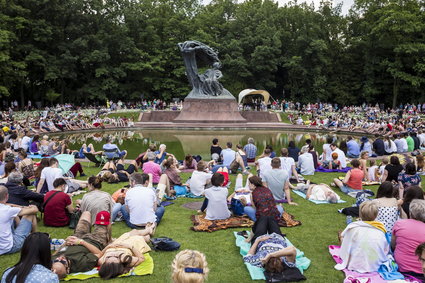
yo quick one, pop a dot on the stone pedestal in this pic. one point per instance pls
(212, 110)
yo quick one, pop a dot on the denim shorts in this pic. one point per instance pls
(20, 234)
(346, 189)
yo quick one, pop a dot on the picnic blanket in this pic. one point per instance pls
(365, 183)
(326, 170)
(200, 224)
(144, 268)
(352, 276)
(301, 194)
(257, 273)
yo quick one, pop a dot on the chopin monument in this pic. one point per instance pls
(208, 101)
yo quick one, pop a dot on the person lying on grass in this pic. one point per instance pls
(321, 192)
(124, 253)
(269, 248)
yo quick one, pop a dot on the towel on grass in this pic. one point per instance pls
(144, 268)
(301, 194)
(257, 273)
(200, 224)
(326, 170)
(352, 276)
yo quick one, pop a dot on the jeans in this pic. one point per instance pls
(20, 234)
(250, 211)
(115, 210)
(350, 155)
(346, 189)
(160, 210)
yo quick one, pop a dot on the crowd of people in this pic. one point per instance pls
(395, 162)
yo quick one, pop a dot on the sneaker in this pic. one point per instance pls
(119, 218)
(83, 175)
(246, 172)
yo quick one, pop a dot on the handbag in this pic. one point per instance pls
(164, 244)
(234, 166)
(74, 218)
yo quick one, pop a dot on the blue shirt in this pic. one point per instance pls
(38, 274)
(110, 147)
(250, 150)
(159, 160)
(228, 155)
(353, 148)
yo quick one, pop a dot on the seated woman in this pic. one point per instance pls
(408, 178)
(26, 165)
(57, 205)
(388, 207)
(263, 202)
(124, 253)
(96, 200)
(216, 199)
(321, 192)
(189, 164)
(414, 192)
(353, 179)
(189, 266)
(35, 262)
(364, 247)
(170, 169)
(269, 247)
(407, 235)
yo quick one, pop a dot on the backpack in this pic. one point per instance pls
(164, 244)
(237, 207)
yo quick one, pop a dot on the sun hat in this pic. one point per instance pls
(364, 139)
(103, 218)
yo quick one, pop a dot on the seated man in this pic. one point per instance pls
(87, 149)
(263, 164)
(277, 181)
(18, 193)
(112, 151)
(321, 192)
(141, 203)
(306, 163)
(341, 155)
(13, 231)
(81, 250)
(228, 155)
(161, 154)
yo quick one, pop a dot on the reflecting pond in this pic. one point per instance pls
(181, 142)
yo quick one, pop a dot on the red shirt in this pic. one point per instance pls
(356, 178)
(264, 202)
(55, 212)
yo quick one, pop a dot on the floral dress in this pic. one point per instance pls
(409, 180)
(275, 243)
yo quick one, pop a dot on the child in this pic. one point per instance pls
(216, 199)
(384, 163)
(373, 171)
(189, 266)
(334, 163)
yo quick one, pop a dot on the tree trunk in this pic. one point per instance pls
(62, 91)
(396, 88)
(21, 90)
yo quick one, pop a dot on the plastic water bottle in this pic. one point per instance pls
(349, 219)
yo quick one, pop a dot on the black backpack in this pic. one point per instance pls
(164, 244)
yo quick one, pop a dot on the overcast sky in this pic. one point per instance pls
(345, 6)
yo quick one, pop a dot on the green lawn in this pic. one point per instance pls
(320, 224)
(133, 114)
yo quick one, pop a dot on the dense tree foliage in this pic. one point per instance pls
(93, 50)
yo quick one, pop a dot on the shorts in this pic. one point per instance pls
(226, 177)
(20, 233)
(346, 189)
(100, 232)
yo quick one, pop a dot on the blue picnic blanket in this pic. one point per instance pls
(301, 194)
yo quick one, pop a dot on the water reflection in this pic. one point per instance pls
(181, 142)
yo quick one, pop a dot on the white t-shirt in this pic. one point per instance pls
(50, 174)
(228, 155)
(7, 214)
(140, 201)
(328, 150)
(341, 157)
(198, 181)
(306, 164)
(264, 164)
(286, 164)
(217, 203)
(319, 193)
(25, 143)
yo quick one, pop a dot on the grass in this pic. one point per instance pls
(134, 115)
(320, 224)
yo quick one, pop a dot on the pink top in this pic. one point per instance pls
(356, 178)
(154, 169)
(409, 234)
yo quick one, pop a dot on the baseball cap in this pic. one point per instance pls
(103, 218)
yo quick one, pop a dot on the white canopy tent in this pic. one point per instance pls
(248, 94)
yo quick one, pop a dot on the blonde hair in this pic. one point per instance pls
(189, 259)
(368, 211)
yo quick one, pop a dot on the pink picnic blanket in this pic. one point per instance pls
(355, 277)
